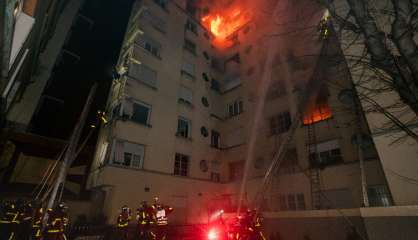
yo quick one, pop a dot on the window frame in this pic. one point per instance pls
(149, 107)
(124, 153)
(179, 161)
(189, 128)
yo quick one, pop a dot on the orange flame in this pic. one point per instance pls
(318, 113)
(223, 24)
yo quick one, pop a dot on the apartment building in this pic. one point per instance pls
(182, 110)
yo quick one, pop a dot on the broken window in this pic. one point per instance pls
(319, 110)
(136, 111)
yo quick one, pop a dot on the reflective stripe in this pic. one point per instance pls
(2, 221)
(11, 236)
(54, 231)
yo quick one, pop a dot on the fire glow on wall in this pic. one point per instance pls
(224, 22)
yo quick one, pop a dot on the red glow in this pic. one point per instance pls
(224, 23)
(318, 113)
(213, 234)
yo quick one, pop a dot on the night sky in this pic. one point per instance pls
(98, 46)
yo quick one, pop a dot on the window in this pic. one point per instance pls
(215, 85)
(128, 154)
(236, 170)
(231, 83)
(143, 74)
(149, 44)
(235, 58)
(161, 3)
(215, 177)
(185, 95)
(205, 77)
(205, 102)
(320, 110)
(183, 128)
(191, 26)
(300, 201)
(204, 131)
(276, 90)
(290, 163)
(280, 123)
(328, 153)
(235, 108)
(379, 196)
(181, 165)
(291, 202)
(206, 55)
(190, 46)
(215, 139)
(282, 202)
(188, 69)
(137, 112)
(191, 7)
(155, 21)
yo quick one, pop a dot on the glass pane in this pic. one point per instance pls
(136, 162)
(140, 113)
(127, 158)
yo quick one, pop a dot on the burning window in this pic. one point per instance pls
(319, 110)
(225, 21)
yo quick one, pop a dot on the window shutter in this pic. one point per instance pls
(189, 68)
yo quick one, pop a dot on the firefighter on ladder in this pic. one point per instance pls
(161, 215)
(323, 27)
(122, 222)
(9, 221)
(145, 219)
(37, 222)
(257, 233)
(57, 221)
(25, 219)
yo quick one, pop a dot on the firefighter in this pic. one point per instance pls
(57, 221)
(323, 27)
(37, 222)
(123, 220)
(9, 221)
(161, 215)
(25, 219)
(257, 233)
(145, 219)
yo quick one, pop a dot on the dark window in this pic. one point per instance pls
(325, 158)
(181, 165)
(161, 3)
(280, 123)
(191, 26)
(191, 7)
(190, 46)
(283, 202)
(235, 58)
(127, 158)
(205, 102)
(205, 77)
(290, 163)
(291, 201)
(235, 108)
(206, 55)
(140, 113)
(216, 177)
(183, 128)
(379, 196)
(215, 85)
(301, 201)
(204, 131)
(215, 139)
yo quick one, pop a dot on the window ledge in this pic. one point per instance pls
(184, 138)
(188, 75)
(145, 83)
(138, 123)
(185, 103)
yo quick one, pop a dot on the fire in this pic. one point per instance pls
(224, 23)
(318, 113)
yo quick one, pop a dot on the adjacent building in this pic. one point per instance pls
(183, 107)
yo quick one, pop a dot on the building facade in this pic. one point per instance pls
(186, 114)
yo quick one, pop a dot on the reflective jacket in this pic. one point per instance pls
(144, 216)
(57, 221)
(11, 215)
(124, 218)
(161, 213)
